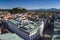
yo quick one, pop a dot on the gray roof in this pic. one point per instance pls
(9, 36)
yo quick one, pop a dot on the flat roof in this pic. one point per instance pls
(10, 36)
(57, 15)
(26, 26)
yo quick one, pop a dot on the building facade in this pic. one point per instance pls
(56, 35)
(28, 30)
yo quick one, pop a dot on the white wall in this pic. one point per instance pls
(41, 28)
(37, 32)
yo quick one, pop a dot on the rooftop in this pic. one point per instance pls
(27, 26)
(9, 36)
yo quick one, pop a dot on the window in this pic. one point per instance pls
(57, 32)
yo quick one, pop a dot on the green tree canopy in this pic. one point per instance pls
(18, 10)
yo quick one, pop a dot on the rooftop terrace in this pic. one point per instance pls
(26, 26)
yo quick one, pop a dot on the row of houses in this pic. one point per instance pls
(22, 15)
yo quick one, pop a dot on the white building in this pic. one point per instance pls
(28, 30)
(56, 35)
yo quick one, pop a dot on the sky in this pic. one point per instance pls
(30, 4)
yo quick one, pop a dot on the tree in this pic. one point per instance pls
(17, 10)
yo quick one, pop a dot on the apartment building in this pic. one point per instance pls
(28, 30)
(56, 35)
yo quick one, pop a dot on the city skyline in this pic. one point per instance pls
(30, 4)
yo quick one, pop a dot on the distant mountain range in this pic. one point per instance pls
(52, 9)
